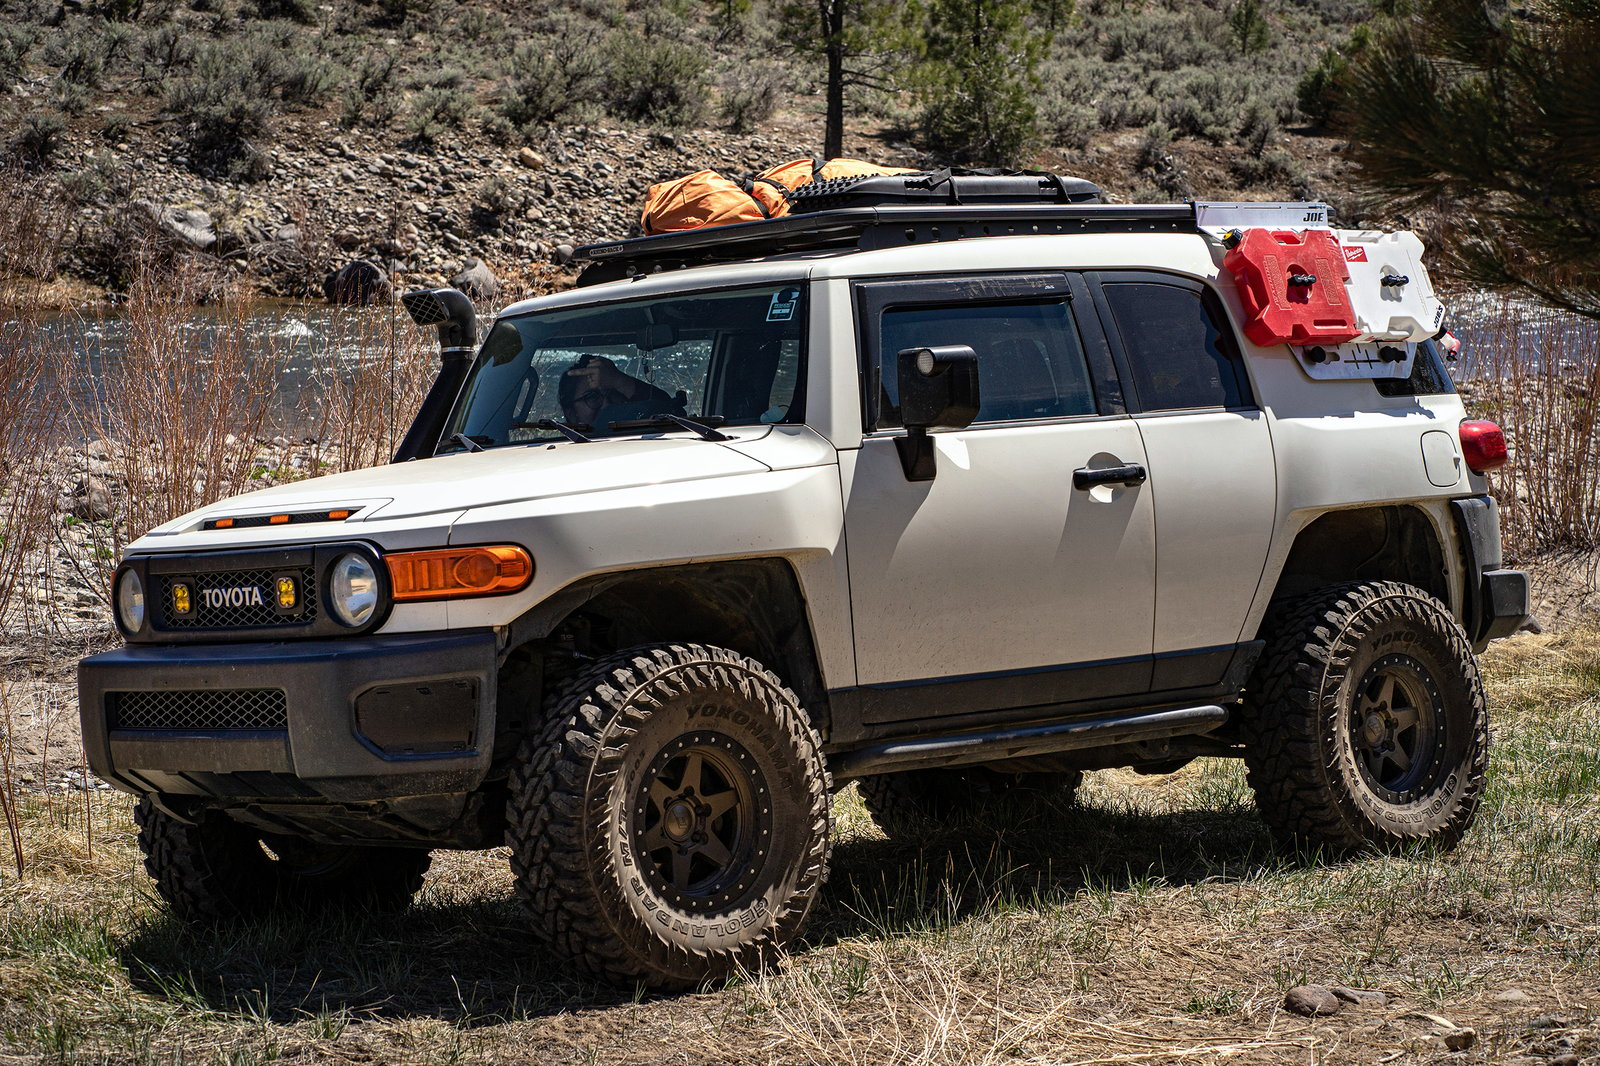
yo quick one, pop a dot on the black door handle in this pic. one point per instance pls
(1133, 474)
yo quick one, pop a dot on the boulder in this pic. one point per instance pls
(360, 283)
(1312, 1001)
(187, 225)
(93, 501)
(476, 280)
(530, 159)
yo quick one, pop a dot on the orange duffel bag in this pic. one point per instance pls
(798, 172)
(708, 198)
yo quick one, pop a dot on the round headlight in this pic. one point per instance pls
(353, 589)
(130, 601)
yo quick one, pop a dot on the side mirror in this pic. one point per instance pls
(938, 390)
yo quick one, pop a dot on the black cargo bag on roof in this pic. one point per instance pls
(943, 187)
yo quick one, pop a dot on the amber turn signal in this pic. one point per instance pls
(451, 573)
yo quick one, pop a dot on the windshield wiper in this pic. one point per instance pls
(467, 443)
(569, 432)
(704, 429)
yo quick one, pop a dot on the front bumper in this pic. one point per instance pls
(367, 723)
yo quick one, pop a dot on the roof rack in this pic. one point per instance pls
(866, 228)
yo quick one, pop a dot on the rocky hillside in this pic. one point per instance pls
(276, 140)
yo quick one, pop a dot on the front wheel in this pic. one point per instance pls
(214, 869)
(670, 825)
(1364, 723)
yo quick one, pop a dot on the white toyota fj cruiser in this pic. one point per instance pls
(932, 498)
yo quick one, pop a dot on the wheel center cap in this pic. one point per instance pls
(1374, 728)
(677, 821)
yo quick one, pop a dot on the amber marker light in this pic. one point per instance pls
(287, 595)
(278, 520)
(182, 604)
(451, 573)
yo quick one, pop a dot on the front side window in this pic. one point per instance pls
(1180, 354)
(731, 357)
(1030, 362)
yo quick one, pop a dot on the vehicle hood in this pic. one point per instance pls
(451, 484)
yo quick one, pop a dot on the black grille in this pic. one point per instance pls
(242, 615)
(199, 709)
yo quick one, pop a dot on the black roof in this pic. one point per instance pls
(864, 228)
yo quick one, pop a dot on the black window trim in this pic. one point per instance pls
(1096, 280)
(873, 296)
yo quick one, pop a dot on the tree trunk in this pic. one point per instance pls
(833, 27)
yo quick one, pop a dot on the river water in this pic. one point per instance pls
(297, 350)
(289, 351)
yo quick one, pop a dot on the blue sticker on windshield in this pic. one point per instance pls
(783, 304)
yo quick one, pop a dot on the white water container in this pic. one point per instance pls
(1389, 287)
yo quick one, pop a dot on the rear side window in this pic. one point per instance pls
(1178, 348)
(1030, 361)
(1428, 376)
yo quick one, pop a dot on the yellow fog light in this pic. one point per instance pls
(182, 599)
(287, 596)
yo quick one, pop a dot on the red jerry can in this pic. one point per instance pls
(1292, 285)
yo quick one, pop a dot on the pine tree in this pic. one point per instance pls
(1490, 116)
(857, 41)
(979, 79)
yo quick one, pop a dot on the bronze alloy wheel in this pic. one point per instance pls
(1397, 728)
(669, 826)
(701, 817)
(1364, 724)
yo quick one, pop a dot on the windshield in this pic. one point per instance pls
(731, 357)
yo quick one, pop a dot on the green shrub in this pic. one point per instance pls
(70, 98)
(749, 98)
(1258, 126)
(1208, 104)
(168, 47)
(372, 97)
(655, 80)
(37, 140)
(80, 58)
(1272, 167)
(430, 113)
(1318, 91)
(302, 11)
(551, 80)
(227, 102)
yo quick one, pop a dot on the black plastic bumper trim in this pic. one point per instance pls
(321, 746)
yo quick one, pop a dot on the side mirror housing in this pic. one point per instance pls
(938, 390)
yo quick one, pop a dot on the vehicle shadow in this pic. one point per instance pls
(1031, 854)
(466, 956)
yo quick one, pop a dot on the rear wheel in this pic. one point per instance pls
(905, 803)
(1364, 724)
(216, 869)
(671, 824)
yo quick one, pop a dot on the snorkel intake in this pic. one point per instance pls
(452, 312)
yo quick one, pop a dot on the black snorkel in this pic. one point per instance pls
(453, 313)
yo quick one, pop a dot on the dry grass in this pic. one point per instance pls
(1540, 380)
(1150, 924)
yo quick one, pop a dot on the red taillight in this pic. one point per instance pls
(1483, 446)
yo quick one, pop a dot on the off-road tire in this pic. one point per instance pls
(1324, 721)
(215, 870)
(614, 793)
(912, 801)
